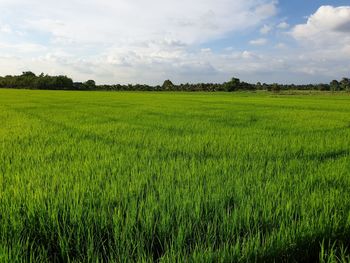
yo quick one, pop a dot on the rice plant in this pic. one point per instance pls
(174, 177)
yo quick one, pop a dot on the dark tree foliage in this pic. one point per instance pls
(28, 80)
(334, 85)
(90, 84)
(168, 85)
(275, 87)
(345, 84)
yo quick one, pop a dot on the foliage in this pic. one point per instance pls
(334, 85)
(168, 85)
(90, 84)
(28, 80)
(174, 177)
(345, 84)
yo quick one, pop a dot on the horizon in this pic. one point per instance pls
(199, 42)
(177, 84)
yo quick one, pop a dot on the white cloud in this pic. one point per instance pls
(245, 54)
(206, 50)
(326, 35)
(267, 10)
(135, 21)
(281, 45)
(329, 25)
(283, 25)
(5, 29)
(22, 48)
(123, 39)
(139, 41)
(258, 42)
(323, 43)
(265, 29)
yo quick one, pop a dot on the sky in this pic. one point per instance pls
(139, 41)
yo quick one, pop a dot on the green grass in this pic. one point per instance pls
(174, 177)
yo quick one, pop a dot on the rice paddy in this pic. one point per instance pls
(174, 177)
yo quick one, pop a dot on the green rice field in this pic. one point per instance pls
(174, 177)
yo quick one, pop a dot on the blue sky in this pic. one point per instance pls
(137, 41)
(297, 10)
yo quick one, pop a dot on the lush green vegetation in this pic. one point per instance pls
(28, 80)
(187, 177)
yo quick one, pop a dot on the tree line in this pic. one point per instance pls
(28, 80)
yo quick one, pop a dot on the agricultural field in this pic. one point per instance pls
(174, 177)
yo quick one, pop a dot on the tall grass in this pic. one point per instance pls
(166, 177)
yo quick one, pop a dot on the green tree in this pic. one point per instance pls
(168, 85)
(334, 85)
(258, 86)
(28, 74)
(345, 84)
(90, 84)
(275, 87)
(232, 85)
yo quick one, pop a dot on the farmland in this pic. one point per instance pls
(166, 177)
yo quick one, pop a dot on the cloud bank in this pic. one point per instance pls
(328, 26)
(149, 41)
(325, 41)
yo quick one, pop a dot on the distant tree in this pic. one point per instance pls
(345, 84)
(28, 80)
(63, 82)
(232, 85)
(258, 86)
(90, 84)
(323, 87)
(275, 87)
(167, 85)
(334, 85)
(28, 74)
